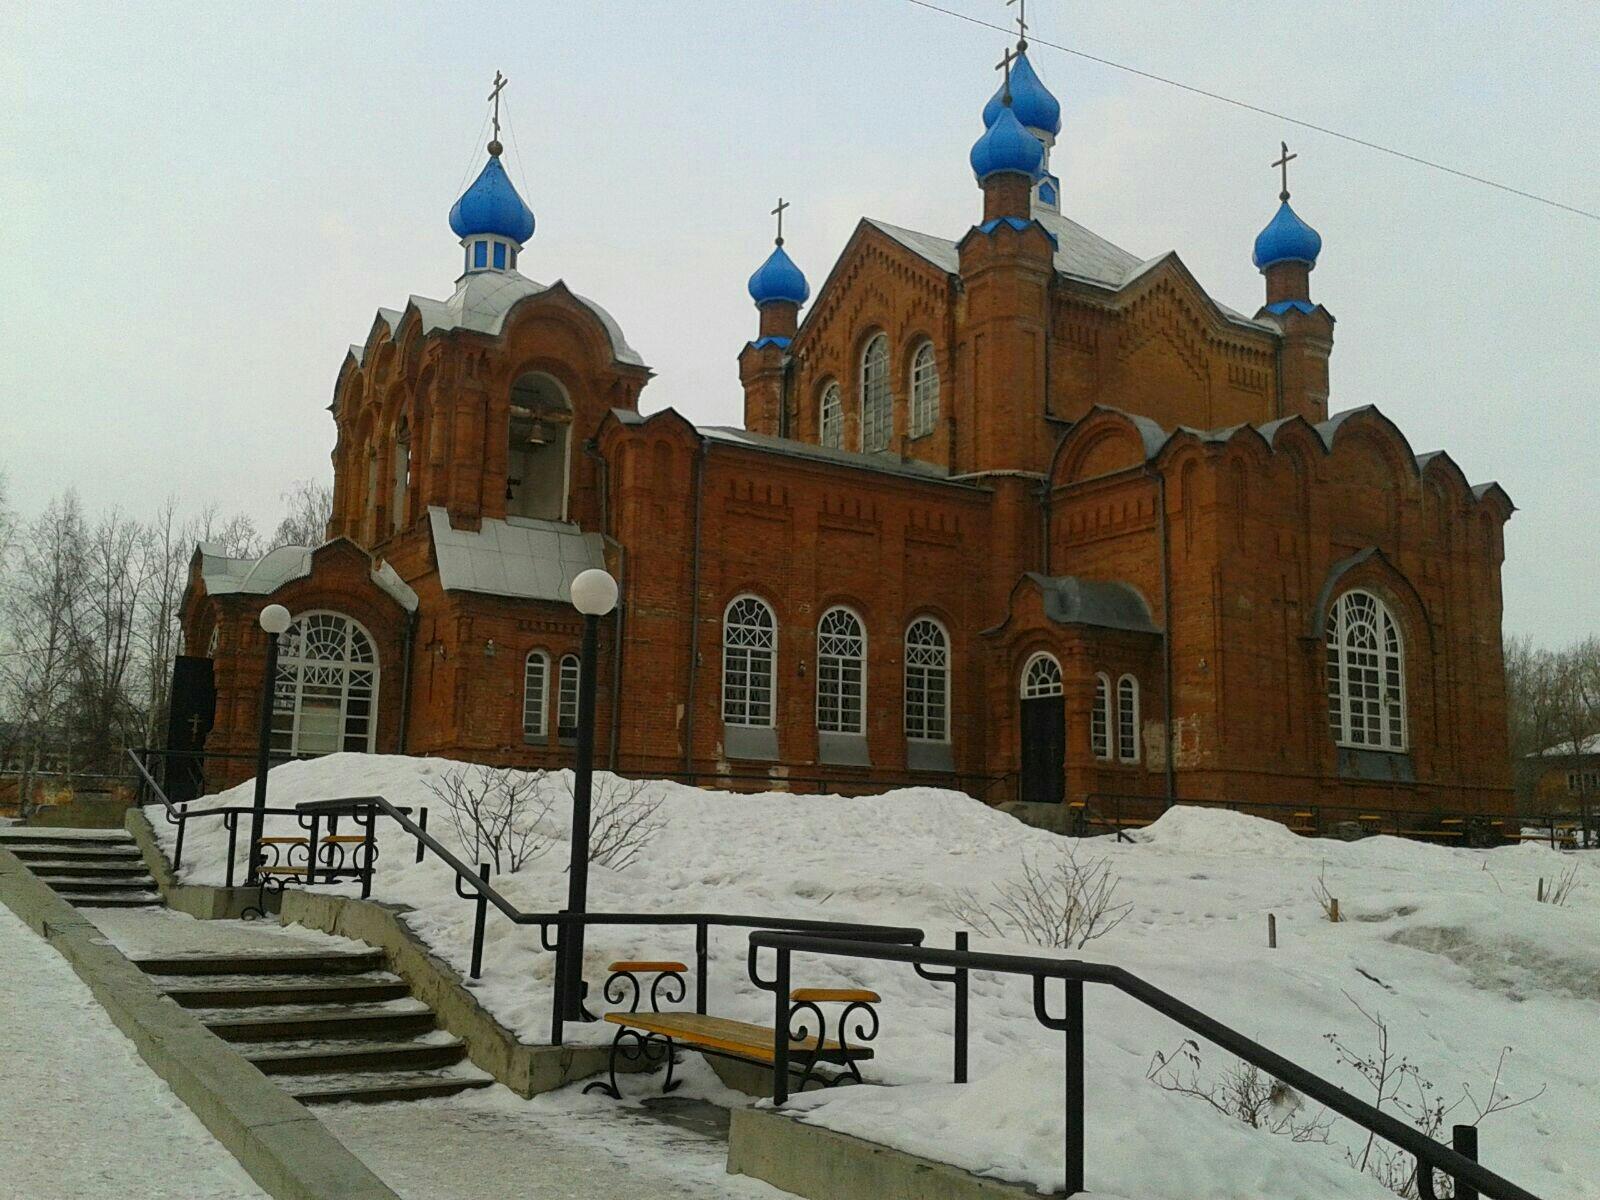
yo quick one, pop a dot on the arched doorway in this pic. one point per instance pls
(1044, 731)
(326, 697)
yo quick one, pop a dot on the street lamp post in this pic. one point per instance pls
(594, 594)
(275, 619)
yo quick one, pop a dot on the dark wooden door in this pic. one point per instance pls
(191, 710)
(1044, 749)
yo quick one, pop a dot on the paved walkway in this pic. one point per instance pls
(81, 1115)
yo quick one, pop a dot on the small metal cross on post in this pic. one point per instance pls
(194, 726)
(1022, 22)
(1005, 65)
(500, 82)
(778, 212)
(1284, 164)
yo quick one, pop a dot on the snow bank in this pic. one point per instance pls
(1447, 944)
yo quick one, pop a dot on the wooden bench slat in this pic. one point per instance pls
(285, 841)
(727, 1035)
(346, 838)
(647, 966)
(1439, 833)
(834, 995)
(281, 871)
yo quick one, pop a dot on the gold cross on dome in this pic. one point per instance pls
(1284, 164)
(1022, 22)
(1005, 65)
(500, 82)
(778, 212)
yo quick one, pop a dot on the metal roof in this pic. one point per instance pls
(518, 556)
(909, 468)
(1071, 600)
(224, 576)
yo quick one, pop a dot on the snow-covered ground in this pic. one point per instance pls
(80, 1114)
(1447, 945)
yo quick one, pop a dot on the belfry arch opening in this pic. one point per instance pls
(538, 448)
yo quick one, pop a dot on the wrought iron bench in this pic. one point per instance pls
(655, 1036)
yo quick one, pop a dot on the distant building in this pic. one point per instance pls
(1561, 779)
(1011, 511)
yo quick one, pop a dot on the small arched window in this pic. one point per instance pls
(567, 697)
(1041, 677)
(924, 390)
(325, 697)
(1366, 674)
(749, 654)
(1100, 718)
(841, 672)
(535, 694)
(927, 682)
(877, 404)
(830, 418)
(1128, 719)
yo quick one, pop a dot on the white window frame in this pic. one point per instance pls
(830, 418)
(841, 671)
(568, 676)
(1100, 718)
(749, 649)
(927, 684)
(1041, 676)
(1128, 719)
(1366, 674)
(924, 390)
(536, 711)
(291, 685)
(1583, 782)
(877, 396)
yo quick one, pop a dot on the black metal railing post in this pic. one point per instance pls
(177, 847)
(370, 848)
(780, 1030)
(231, 821)
(422, 822)
(1465, 1140)
(311, 850)
(702, 961)
(558, 988)
(1074, 1074)
(961, 1013)
(478, 920)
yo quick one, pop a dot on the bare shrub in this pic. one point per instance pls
(497, 816)
(1328, 902)
(623, 820)
(1065, 904)
(1560, 888)
(1243, 1092)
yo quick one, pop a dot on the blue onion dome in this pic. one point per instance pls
(491, 205)
(1287, 239)
(778, 279)
(1031, 101)
(1006, 146)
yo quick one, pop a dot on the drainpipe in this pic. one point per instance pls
(405, 679)
(1166, 630)
(694, 614)
(618, 635)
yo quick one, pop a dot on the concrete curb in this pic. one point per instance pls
(286, 1150)
(526, 1069)
(810, 1161)
(203, 901)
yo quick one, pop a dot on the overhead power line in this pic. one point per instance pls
(1267, 112)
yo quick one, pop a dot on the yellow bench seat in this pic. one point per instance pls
(723, 1035)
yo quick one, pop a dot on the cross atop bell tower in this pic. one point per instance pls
(500, 82)
(1284, 164)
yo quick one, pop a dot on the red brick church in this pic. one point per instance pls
(1018, 511)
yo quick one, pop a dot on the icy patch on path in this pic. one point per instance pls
(82, 1114)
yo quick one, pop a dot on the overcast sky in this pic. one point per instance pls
(202, 205)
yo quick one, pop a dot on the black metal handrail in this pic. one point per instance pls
(1074, 973)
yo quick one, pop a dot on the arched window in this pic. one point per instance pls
(841, 672)
(537, 449)
(877, 405)
(1366, 674)
(1041, 677)
(830, 418)
(1128, 719)
(325, 697)
(1100, 718)
(927, 682)
(749, 652)
(211, 642)
(402, 474)
(535, 693)
(924, 390)
(567, 698)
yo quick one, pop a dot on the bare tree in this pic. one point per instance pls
(310, 505)
(1065, 904)
(233, 536)
(498, 816)
(114, 576)
(624, 819)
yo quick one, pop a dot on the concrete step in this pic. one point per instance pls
(112, 899)
(319, 1057)
(312, 963)
(378, 1022)
(104, 855)
(46, 833)
(133, 867)
(381, 1087)
(81, 885)
(271, 990)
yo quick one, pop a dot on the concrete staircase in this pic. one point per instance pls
(89, 868)
(328, 1027)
